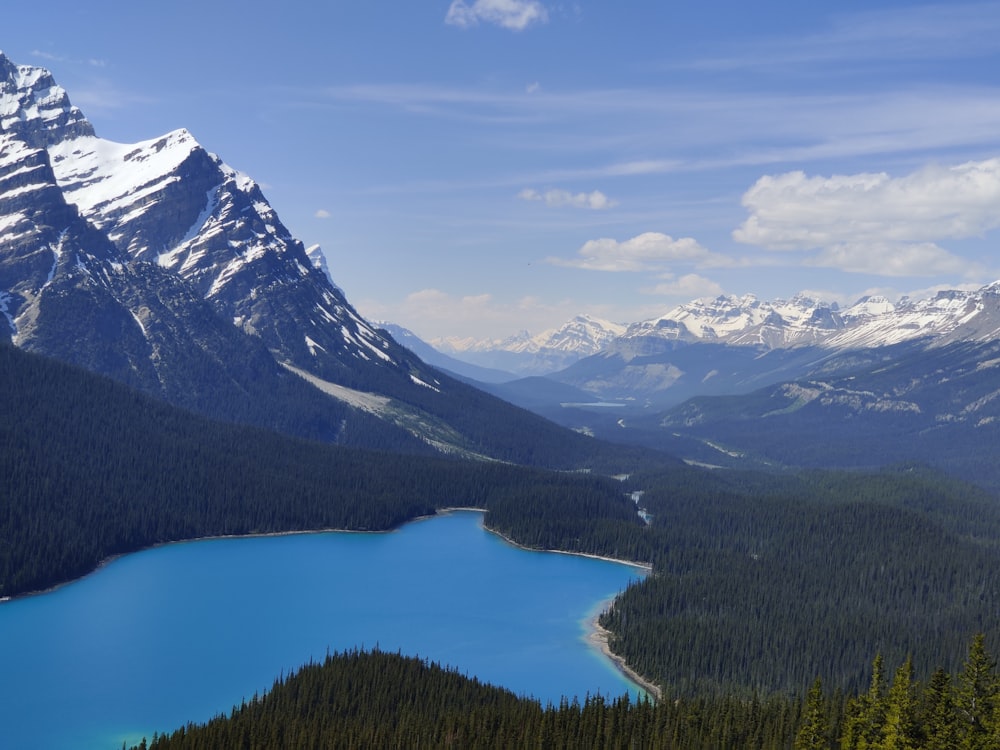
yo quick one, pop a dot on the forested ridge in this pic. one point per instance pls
(373, 699)
(769, 580)
(92, 469)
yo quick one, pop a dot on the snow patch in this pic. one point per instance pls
(418, 381)
(5, 303)
(313, 346)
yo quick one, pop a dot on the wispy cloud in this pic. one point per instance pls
(515, 15)
(672, 129)
(50, 58)
(101, 97)
(322, 213)
(908, 33)
(595, 200)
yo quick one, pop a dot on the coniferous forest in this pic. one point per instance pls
(761, 582)
(360, 699)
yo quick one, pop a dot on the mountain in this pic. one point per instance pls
(525, 355)
(159, 265)
(729, 345)
(744, 321)
(430, 355)
(739, 381)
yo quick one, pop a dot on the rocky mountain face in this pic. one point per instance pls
(157, 264)
(163, 229)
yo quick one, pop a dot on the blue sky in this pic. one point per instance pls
(476, 167)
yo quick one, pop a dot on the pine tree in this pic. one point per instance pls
(901, 729)
(865, 718)
(815, 730)
(940, 730)
(977, 689)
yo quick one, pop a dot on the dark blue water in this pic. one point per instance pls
(183, 632)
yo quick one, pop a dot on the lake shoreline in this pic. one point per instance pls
(597, 638)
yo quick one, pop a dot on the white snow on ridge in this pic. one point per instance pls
(96, 173)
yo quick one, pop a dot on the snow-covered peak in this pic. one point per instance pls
(868, 307)
(35, 108)
(743, 320)
(101, 175)
(582, 335)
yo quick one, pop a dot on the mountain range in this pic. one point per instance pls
(157, 264)
(742, 381)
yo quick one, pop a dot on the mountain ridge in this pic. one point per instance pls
(161, 266)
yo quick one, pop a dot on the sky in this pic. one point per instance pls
(474, 168)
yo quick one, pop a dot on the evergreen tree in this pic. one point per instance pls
(865, 721)
(814, 734)
(939, 726)
(977, 689)
(900, 731)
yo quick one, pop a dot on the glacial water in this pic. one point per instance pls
(183, 632)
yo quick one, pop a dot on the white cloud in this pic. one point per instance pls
(875, 223)
(647, 251)
(594, 200)
(516, 15)
(689, 286)
(322, 214)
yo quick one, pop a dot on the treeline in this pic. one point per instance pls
(763, 581)
(379, 700)
(92, 469)
(360, 699)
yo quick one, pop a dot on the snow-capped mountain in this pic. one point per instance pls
(526, 354)
(743, 321)
(871, 321)
(158, 264)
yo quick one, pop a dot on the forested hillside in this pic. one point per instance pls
(360, 699)
(92, 469)
(769, 580)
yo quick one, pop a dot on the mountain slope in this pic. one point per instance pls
(161, 266)
(864, 408)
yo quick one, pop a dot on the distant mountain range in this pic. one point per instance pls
(742, 321)
(738, 380)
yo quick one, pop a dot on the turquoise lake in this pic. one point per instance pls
(185, 631)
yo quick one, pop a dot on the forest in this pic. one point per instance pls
(92, 470)
(771, 579)
(373, 699)
(765, 579)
